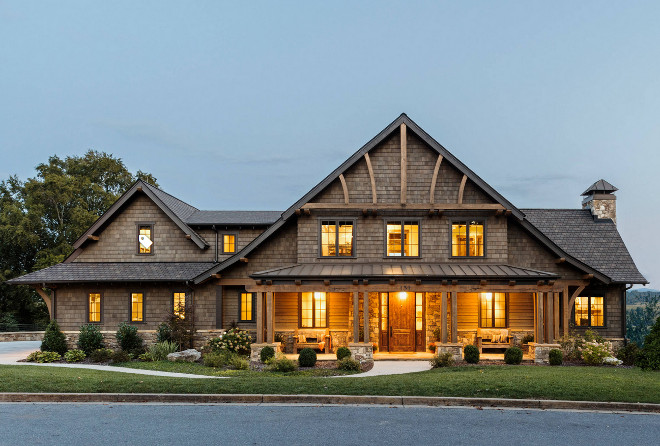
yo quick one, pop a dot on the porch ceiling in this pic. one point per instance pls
(402, 271)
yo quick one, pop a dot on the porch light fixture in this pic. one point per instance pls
(403, 295)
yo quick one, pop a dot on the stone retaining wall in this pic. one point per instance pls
(12, 336)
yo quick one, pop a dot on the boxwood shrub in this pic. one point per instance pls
(307, 357)
(90, 339)
(349, 364)
(513, 355)
(54, 340)
(343, 352)
(556, 356)
(266, 353)
(471, 354)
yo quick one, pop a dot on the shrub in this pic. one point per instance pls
(343, 352)
(556, 356)
(54, 339)
(282, 364)
(571, 346)
(146, 357)
(74, 356)
(90, 339)
(121, 356)
(432, 347)
(160, 350)
(471, 354)
(128, 338)
(215, 359)
(8, 322)
(266, 353)
(163, 333)
(42, 357)
(437, 334)
(307, 358)
(649, 358)
(349, 364)
(445, 359)
(237, 362)
(101, 355)
(513, 355)
(628, 353)
(593, 352)
(527, 339)
(234, 340)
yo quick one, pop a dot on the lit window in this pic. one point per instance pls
(384, 298)
(402, 239)
(94, 307)
(179, 305)
(493, 310)
(145, 239)
(589, 311)
(137, 307)
(246, 307)
(467, 239)
(336, 238)
(313, 313)
(228, 243)
(419, 311)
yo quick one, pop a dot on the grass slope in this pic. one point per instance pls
(566, 383)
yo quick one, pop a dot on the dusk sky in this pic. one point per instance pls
(237, 106)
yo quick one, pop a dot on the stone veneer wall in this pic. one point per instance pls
(13, 336)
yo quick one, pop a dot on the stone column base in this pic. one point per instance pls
(255, 351)
(540, 353)
(362, 351)
(456, 349)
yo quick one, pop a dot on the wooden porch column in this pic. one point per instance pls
(567, 313)
(270, 330)
(556, 313)
(549, 318)
(454, 316)
(356, 316)
(538, 319)
(260, 318)
(443, 318)
(365, 310)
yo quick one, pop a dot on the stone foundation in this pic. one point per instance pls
(540, 353)
(255, 352)
(455, 349)
(362, 351)
(11, 336)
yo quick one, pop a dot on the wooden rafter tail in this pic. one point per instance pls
(560, 260)
(94, 238)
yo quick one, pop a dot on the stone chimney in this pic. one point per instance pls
(600, 200)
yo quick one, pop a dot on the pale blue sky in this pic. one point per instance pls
(237, 106)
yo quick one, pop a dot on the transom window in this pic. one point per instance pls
(229, 243)
(336, 238)
(247, 314)
(589, 311)
(493, 310)
(137, 307)
(179, 305)
(313, 310)
(145, 239)
(402, 239)
(94, 307)
(467, 239)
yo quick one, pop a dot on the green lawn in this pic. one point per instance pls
(566, 383)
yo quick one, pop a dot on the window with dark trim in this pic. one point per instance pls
(94, 301)
(179, 304)
(337, 238)
(590, 311)
(313, 310)
(137, 307)
(246, 307)
(402, 239)
(229, 243)
(493, 310)
(467, 238)
(145, 239)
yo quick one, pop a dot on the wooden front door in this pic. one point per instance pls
(402, 322)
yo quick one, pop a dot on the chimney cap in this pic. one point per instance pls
(600, 186)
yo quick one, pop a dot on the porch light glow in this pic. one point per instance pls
(403, 295)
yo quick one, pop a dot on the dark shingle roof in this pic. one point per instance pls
(114, 272)
(600, 186)
(595, 242)
(182, 209)
(233, 217)
(410, 270)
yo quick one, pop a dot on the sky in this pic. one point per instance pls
(248, 105)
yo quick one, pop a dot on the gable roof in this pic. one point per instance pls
(600, 186)
(593, 241)
(174, 208)
(206, 218)
(380, 137)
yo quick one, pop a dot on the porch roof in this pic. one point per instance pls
(82, 272)
(399, 270)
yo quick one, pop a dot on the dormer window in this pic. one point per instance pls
(402, 239)
(145, 239)
(467, 238)
(337, 238)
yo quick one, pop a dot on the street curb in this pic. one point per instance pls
(325, 399)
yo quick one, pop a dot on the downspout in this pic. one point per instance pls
(623, 313)
(215, 259)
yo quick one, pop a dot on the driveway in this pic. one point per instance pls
(10, 352)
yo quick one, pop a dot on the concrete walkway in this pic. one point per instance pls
(12, 352)
(392, 368)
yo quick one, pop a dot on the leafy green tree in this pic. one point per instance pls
(640, 319)
(42, 217)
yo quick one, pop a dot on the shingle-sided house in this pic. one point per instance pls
(400, 244)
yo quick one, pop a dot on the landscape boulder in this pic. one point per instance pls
(190, 355)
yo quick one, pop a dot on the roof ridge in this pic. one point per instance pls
(151, 186)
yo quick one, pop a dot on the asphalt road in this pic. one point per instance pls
(117, 424)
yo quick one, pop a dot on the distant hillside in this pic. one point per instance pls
(639, 296)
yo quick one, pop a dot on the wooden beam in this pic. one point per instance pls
(483, 282)
(512, 283)
(216, 276)
(454, 317)
(461, 189)
(307, 211)
(434, 179)
(549, 318)
(356, 316)
(298, 211)
(411, 206)
(499, 212)
(344, 187)
(93, 238)
(588, 276)
(560, 260)
(404, 163)
(443, 318)
(244, 259)
(188, 236)
(374, 197)
(365, 311)
(575, 294)
(555, 303)
(260, 318)
(49, 302)
(270, 329)
(538, 320)
(566, 313)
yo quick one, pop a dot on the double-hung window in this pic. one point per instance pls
(313, 310)
(337, 238)
(402, 239)
(247, 307)
(589, 311)
(467, 238)
(492, 310)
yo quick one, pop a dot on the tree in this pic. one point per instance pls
(640, 319)
(41, 218)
